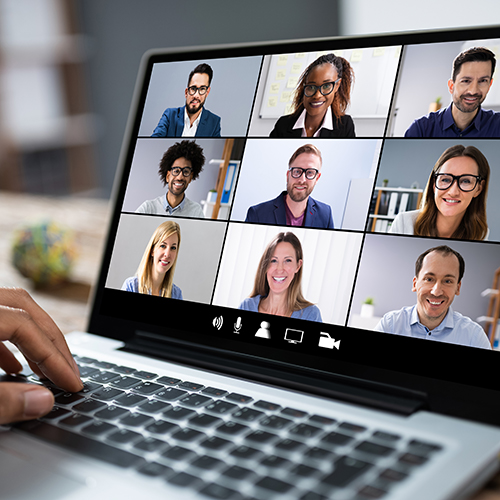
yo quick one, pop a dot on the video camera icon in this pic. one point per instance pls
(327, 342)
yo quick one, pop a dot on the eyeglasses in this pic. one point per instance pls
(201, 90)
(465, 182)
(297, 172)
(186, 171)
(325, 89)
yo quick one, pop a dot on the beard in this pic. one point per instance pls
(298, 196)
(193, 110)
(459, 103)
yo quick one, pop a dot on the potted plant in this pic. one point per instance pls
(368, 307)
(436, 105)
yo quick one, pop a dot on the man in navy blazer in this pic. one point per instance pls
(295, 206)
(191, 120)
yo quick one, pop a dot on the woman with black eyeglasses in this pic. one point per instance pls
(454, 200)
(320, 101)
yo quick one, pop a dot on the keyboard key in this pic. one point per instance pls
(238, 473)
(98, 428)
(291, 412)
(245, 452)
(125, 382)
(125, 370)
(88, 387)
(238, 398)
(107, 394)
(169, 394)
(346, 469)
(187, 435)
(207, 463)
(111, 413)
(147, 388)
(184, 479)
(215, 443)
(75, 420)
(221, 407)
(177, 453)
(161, 427)
(288, 445)
(89, 406)
(275, 422)
(319, 454)
(260, 437)
(104, 377)
(305, 431)
(312, 495)
(83, 444)
(248, 414)
(194, 400)
(154, 469)
(412, 459)
(168, 380)
(178, 413)
(232, 428)
(214, 392)
(274, 485)
(374, 449)
(104, 364)
(131, 400)
(393, 476)
(421, 448)
(303, 470)
(321, 421)
(204, 420)
(86, 371)
(386, 436)
(153, 406)
(55, 413)
(352, 427)
(149, 444)
(192, 386)
(123, 436)
(337, 439)
(372, 492)
(136, 420)
(145, 375)
(219, 492)
(68, 398)
(275, 462)
(265, 405)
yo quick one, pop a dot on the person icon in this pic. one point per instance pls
(263, 332)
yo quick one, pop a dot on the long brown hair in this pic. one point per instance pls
(144, 272)
(295, 299)
(342, 96)
(473, 225)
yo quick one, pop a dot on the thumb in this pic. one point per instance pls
(20, 401)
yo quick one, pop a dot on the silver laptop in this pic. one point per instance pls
(273, 319)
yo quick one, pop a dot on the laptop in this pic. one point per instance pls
(261, 365)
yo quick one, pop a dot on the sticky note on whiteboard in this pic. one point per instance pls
(272, 102)
(280, 74)
(296, 68)
(356, 55)
(282, 60)
(378, 52)
(292, 82)
(285, 96)
(275, 88)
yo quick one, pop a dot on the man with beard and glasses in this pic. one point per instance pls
(295, 206)
(181, 164)
(437, 280)
(191, 120)
(469, 85)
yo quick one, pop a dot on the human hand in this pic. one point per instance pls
(24, 323)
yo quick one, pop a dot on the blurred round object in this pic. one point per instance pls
(44, 252)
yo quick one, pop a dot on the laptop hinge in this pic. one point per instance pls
(339, 387)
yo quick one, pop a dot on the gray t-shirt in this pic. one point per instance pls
(160, 206)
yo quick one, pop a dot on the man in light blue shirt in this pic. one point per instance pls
(438, 278)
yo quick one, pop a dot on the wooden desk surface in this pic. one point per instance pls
(88, 218)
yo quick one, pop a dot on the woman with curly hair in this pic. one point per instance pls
(320, 101)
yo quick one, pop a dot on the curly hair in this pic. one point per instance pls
(184, 149)
(342, 97)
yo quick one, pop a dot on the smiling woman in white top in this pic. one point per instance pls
(454, 200)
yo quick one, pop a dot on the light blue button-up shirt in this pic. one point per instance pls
(455, 328)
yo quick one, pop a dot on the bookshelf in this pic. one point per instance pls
(389, 202)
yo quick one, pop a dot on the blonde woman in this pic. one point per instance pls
(155, 275)
(278, 281)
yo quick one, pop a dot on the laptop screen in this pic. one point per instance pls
(323, 204)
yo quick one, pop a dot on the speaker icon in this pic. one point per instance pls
(217, 322)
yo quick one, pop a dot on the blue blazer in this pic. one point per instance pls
(171, 124)
(273, 212)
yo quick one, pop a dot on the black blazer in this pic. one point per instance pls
(344, 127)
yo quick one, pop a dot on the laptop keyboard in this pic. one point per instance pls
(224, 444)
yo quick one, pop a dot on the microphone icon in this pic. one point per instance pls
(237, 325)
